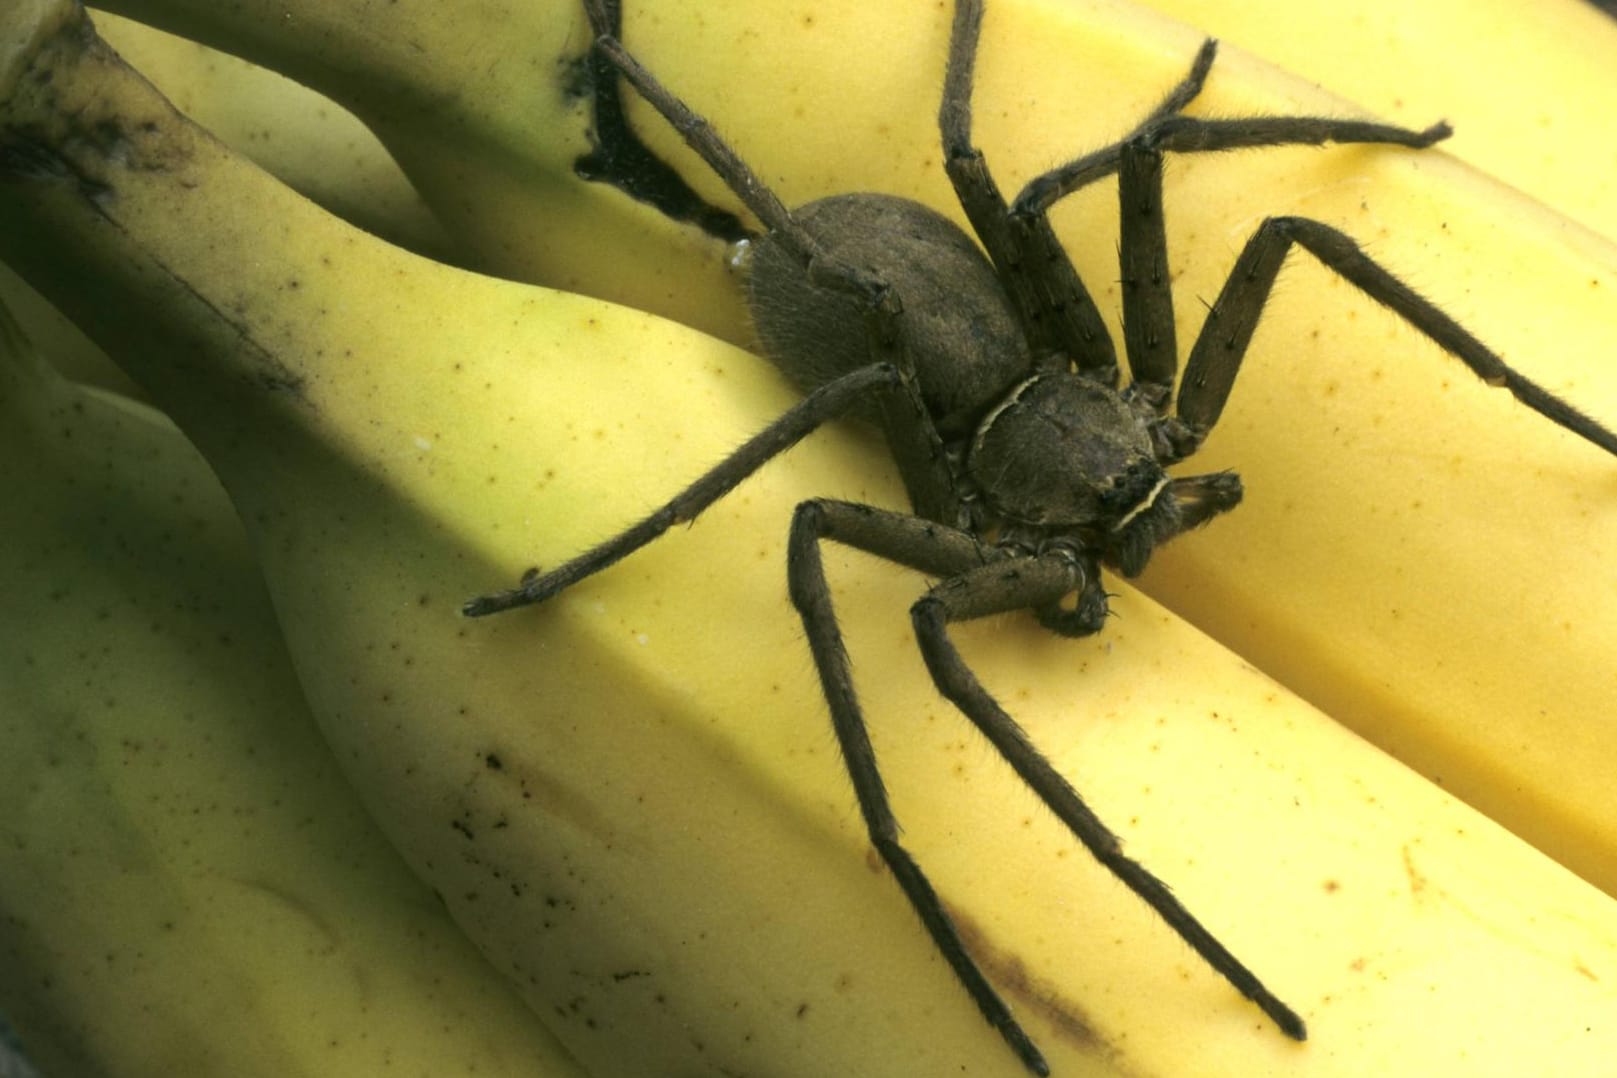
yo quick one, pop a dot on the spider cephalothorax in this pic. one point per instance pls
(995, 382)
(1067, 455)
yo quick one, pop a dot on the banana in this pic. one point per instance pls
(309, 141)
(659, 849)
(1521, 84)
(188, 886)
(1382, 556)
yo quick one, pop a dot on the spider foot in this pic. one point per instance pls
(1289, 1021)
(530, 589)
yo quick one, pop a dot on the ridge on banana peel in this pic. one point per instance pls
(1455, 624)
(629, 800)
(187, 884)
(487, 123)
(309, 141)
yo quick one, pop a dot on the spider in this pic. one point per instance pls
(996, 384)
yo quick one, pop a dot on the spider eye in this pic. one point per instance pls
(1132, 492)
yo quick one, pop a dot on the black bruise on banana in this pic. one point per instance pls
(85, 144)
(84, 139)
(618, 157)
(27, 159)
(1064, 1015)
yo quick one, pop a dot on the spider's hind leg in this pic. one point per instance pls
(1058, 315)
(830, 401)
(823, 270)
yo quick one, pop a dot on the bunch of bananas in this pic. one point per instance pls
(625, 810)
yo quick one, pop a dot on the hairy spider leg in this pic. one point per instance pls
(995, 589)
(1057, 312)
(937, 550)
(1192, 134)
(1062, 574)
(824, 270)
(1216, 357)
(979, 580)
(828, 402)
(1148, 321)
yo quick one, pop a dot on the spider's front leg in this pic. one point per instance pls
(995, 589)
(1148, 319)
(979, 580)
(935, 549)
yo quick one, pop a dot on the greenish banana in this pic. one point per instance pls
(628, 799)
(310, 142)
(74, 354)
(188, 886)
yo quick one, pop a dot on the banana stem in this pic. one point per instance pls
(104, 182)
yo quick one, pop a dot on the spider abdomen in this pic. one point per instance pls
(962, 333)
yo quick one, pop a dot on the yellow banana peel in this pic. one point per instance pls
(188, 886)
(630, 800)
(484, 107)
(1421, 558)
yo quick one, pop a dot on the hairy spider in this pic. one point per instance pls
(997, 386)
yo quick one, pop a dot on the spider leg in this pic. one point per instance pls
(748, 187)
(986, 591)
(916, 446)
(932, 548)
(1148, 321)
(828, 402)
(1057, 312)
(1216, 357)
(980, 580)
(1147, 293)
(1043, 191)
(1192, 134)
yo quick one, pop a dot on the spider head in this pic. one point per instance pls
(1065, 453)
